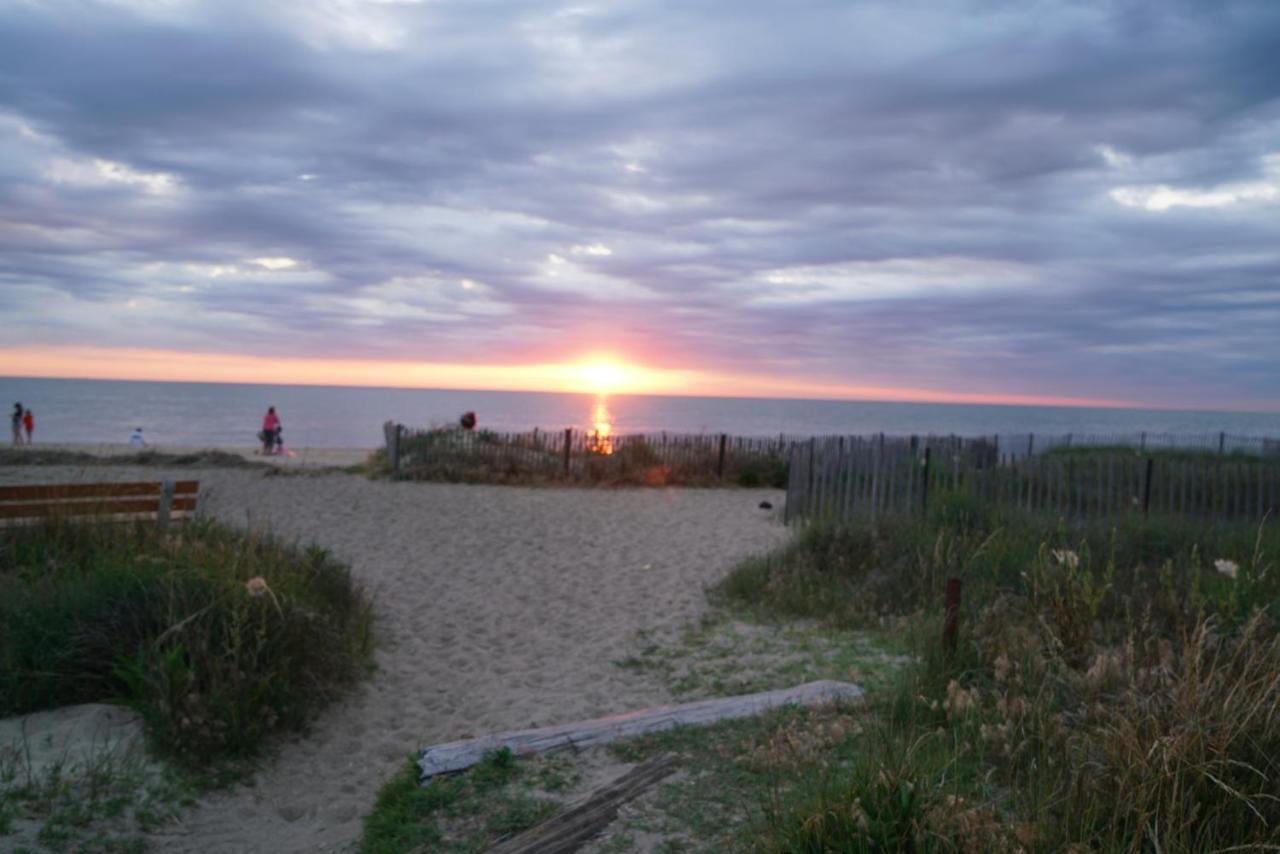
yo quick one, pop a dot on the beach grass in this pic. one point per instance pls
(498, 797)
(217, 637)
(1182, 455)
(104, 801)
(533, 459)
(1114, 686)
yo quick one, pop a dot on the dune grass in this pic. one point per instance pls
(218, 638)
(1184, 455)
(495, 799)
(1115, 687)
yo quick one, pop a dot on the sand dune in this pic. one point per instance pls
(498, 607)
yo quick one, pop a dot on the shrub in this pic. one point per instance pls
(216, 637)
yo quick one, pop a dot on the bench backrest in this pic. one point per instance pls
(161, 500)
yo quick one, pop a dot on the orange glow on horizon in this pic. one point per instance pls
(596, 376)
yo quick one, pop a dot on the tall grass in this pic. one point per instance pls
(1115, 687)
(217, 637)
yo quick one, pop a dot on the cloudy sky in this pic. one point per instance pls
(967, 200)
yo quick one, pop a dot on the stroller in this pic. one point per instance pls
(277, 445)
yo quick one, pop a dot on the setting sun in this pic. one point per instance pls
(602, 377)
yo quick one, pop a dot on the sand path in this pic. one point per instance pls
(498, 607)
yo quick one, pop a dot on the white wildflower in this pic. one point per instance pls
(1067, 558)
(1229, 568)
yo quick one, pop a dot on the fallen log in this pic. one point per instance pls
(457, 755)
(567, 831)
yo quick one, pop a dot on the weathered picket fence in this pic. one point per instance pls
(862, 478)
(580, 456)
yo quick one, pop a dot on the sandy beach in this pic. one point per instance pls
(497, 607)
(308, 458)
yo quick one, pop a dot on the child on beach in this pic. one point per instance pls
(17, 424)
(29, 421)
(136, 440)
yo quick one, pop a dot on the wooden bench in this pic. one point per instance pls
(161, 500)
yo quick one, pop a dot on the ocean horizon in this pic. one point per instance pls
(209, 414)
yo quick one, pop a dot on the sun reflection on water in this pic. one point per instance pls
(601, 439)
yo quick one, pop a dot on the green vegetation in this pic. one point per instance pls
(537, 459)
(41, 456)
(102, 804)
(216, 637)
(1115, 687)
(1181, 455)
(465, 812)
(722, 656)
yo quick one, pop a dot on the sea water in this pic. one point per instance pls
(230, 415)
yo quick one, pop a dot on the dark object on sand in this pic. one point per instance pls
(468, 421)
(766, 505)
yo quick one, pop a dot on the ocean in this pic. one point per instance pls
(216, 414)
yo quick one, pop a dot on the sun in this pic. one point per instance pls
(602, 376)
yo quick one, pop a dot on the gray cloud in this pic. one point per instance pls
(1055, 198)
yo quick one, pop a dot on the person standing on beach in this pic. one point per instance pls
(17, 424)
(136, 440)
(29, 421)
(270, 426)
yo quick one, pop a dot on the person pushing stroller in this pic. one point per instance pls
(270, 431)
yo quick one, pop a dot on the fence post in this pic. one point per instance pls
(924, 489)
(1146, 486)
(1143, 442)
(391, 434)
(792, 473)
(400, 431)
(813, 452)
(1031, 443)
(568, 447)
(1222, 443)
(166, 504)
(951, 623)
(720, 463)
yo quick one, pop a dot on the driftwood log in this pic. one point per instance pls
(457, 755)
(568, 831)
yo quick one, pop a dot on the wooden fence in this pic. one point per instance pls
(862, 478)
(1222, 442)
(578, 456)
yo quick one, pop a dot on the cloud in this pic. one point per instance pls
(1072, 199)
(1162, 197)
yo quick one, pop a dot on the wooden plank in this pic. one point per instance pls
(457, 755)
(568, 831)
(56, 491)
(91, 508)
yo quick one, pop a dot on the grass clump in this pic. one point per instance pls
(1115, 687)
(216, 637)
(466, 812)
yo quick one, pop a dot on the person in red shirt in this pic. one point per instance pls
(29, 421)
(270, 427)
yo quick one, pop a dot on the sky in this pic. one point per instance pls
(978, 200)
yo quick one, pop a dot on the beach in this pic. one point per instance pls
(496, 608)
(307, 457)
